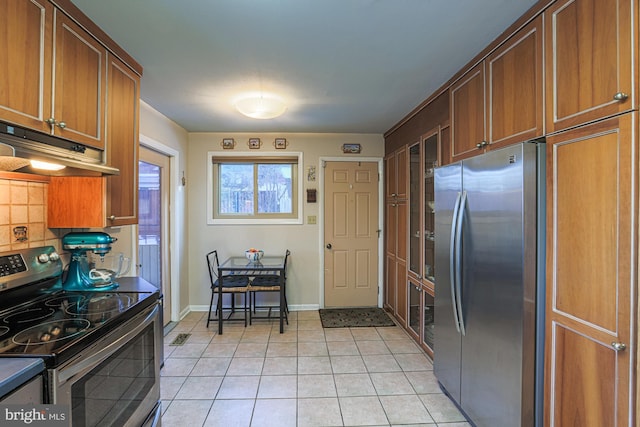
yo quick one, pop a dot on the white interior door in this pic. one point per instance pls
(351, 234)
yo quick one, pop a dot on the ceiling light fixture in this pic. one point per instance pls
(261, 106)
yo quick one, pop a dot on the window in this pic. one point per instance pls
(253, 189)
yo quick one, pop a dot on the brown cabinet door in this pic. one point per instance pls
(390, 183)
(25, 72)
(401, 293)
(591, 260)
(587, 41)
(467, 114)
(76, 202)
(123, 88)
(514, 88)
(390, 283)
(79, 84)
(402, 173)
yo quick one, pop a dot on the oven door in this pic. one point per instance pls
(116, 381)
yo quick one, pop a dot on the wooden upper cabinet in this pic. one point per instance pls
(467, 105)
(396, 175)
(80, 67)
(591, 281)
(76, 202)
(25, 71)
(515, 88)
(123, 94)
(589, 68)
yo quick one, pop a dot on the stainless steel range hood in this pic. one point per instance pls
(77, 159)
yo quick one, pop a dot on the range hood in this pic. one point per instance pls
(19, 147)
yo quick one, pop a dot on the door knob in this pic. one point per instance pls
(618, 346)
(620, 96)
(328, 245)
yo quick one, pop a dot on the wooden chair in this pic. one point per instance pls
(269, 283)
(231, 285)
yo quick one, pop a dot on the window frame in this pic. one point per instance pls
(297, 179)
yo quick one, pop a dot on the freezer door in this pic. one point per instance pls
(493, 287)
(448, 187)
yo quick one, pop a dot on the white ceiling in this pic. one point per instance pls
(355, 66)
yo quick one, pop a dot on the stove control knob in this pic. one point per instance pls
(43, 258)
(45, 337)
(53, 256)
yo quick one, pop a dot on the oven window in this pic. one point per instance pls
(110, 393)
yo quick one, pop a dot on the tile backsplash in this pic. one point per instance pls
(23, 216)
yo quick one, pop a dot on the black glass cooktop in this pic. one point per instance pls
(57, 325)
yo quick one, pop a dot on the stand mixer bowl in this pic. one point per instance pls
(105, 269)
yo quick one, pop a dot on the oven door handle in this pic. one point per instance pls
(105, 350)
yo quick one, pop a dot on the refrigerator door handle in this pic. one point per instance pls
(458, 262)
(452, 260)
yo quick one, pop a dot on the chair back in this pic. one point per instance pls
(286, 257)
(212, 263)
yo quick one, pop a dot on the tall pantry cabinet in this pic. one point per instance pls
(396, 214)
(592, 206)
(566, 70)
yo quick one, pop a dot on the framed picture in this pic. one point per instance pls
(280, 143)
(254, 143)
(351, 148)
(228, 143)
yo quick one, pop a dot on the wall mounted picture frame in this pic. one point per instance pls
(351, 148)
(254, 143)
(280, 143)
(228, 143)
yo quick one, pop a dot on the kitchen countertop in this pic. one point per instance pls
(16, 371)
(134, 284)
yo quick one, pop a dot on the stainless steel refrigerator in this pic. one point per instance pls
(489, 274)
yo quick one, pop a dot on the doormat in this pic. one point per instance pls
(180, 339)
(354, 317)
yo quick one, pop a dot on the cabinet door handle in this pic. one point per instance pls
(620, 96)
(482, 144)
(394, 195)
(111, 218)
(53, 122)
(329, 246)
(618, 346)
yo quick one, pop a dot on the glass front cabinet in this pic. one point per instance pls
(421, 286)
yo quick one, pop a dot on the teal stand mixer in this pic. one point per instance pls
(82, 274)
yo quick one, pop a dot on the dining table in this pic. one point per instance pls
(241, 266)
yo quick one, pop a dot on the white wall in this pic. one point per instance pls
(303, 287)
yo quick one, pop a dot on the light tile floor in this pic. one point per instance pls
(307, 376)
